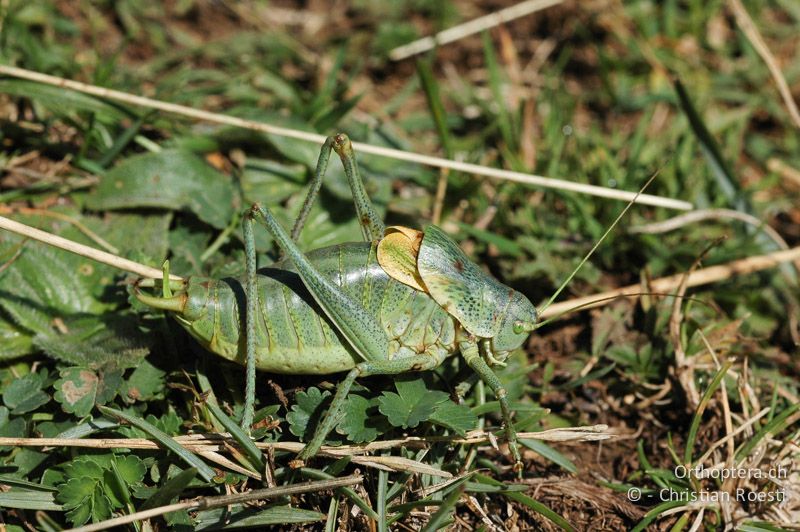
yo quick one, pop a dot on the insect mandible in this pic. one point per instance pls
(340, 308)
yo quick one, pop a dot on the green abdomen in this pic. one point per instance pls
(293, 335)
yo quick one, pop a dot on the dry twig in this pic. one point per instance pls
(749, 28)
(470, 28)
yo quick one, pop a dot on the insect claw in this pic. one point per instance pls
(495, 362)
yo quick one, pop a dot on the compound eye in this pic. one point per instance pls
(519, 327)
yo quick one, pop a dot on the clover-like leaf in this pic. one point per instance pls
(130, 468)
(84, 499)
(84, 467)
(79, 389)
(357, 423)
(125, 472)
(306, 413)
(413, 403)
(25, 394)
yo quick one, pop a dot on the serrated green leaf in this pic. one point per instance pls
(172, 179)
(413, 403)
(84, 467)
(25, 394)
(123, 474)
(357, 422)
(80, 389)
(130, 468)
(306, 412)
(85, 499)
(459, 418)
(169, 423)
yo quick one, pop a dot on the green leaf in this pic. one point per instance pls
(11, 428)
(84, 467)
(145, 383)
(412, 404)
(25, 394)
(459, 418)
(100, 343)
(79, 389)
(85, 499)
(125, 472)
(14, 341)
(357, 423)
(171, 179)
(130, 468)
(306, 412)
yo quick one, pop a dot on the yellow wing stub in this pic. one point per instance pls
(397, 254)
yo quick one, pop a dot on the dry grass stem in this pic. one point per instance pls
(470, 28)
(684, 367)
(726, 412)
(784, 170)
(217, 441)
(205, 503)
(91, 235)
(84, 251)
(703, 276)
(750, 30)
(438, 162)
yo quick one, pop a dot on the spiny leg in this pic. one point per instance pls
(362, 331)
(381, 367)
(471, 353)
(250, 324)
(371, 225)
(313, 191)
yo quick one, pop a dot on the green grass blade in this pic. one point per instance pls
(29, 500)
(698, 415)
(346, 491)
(496, 85)
(253, 452)
(719, 168)
(204, 470)
(442, 516)
(432, 95)
(653, 514)
(774, 426)
(171, 489)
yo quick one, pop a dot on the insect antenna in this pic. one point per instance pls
(596, 245)
(597, 303)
